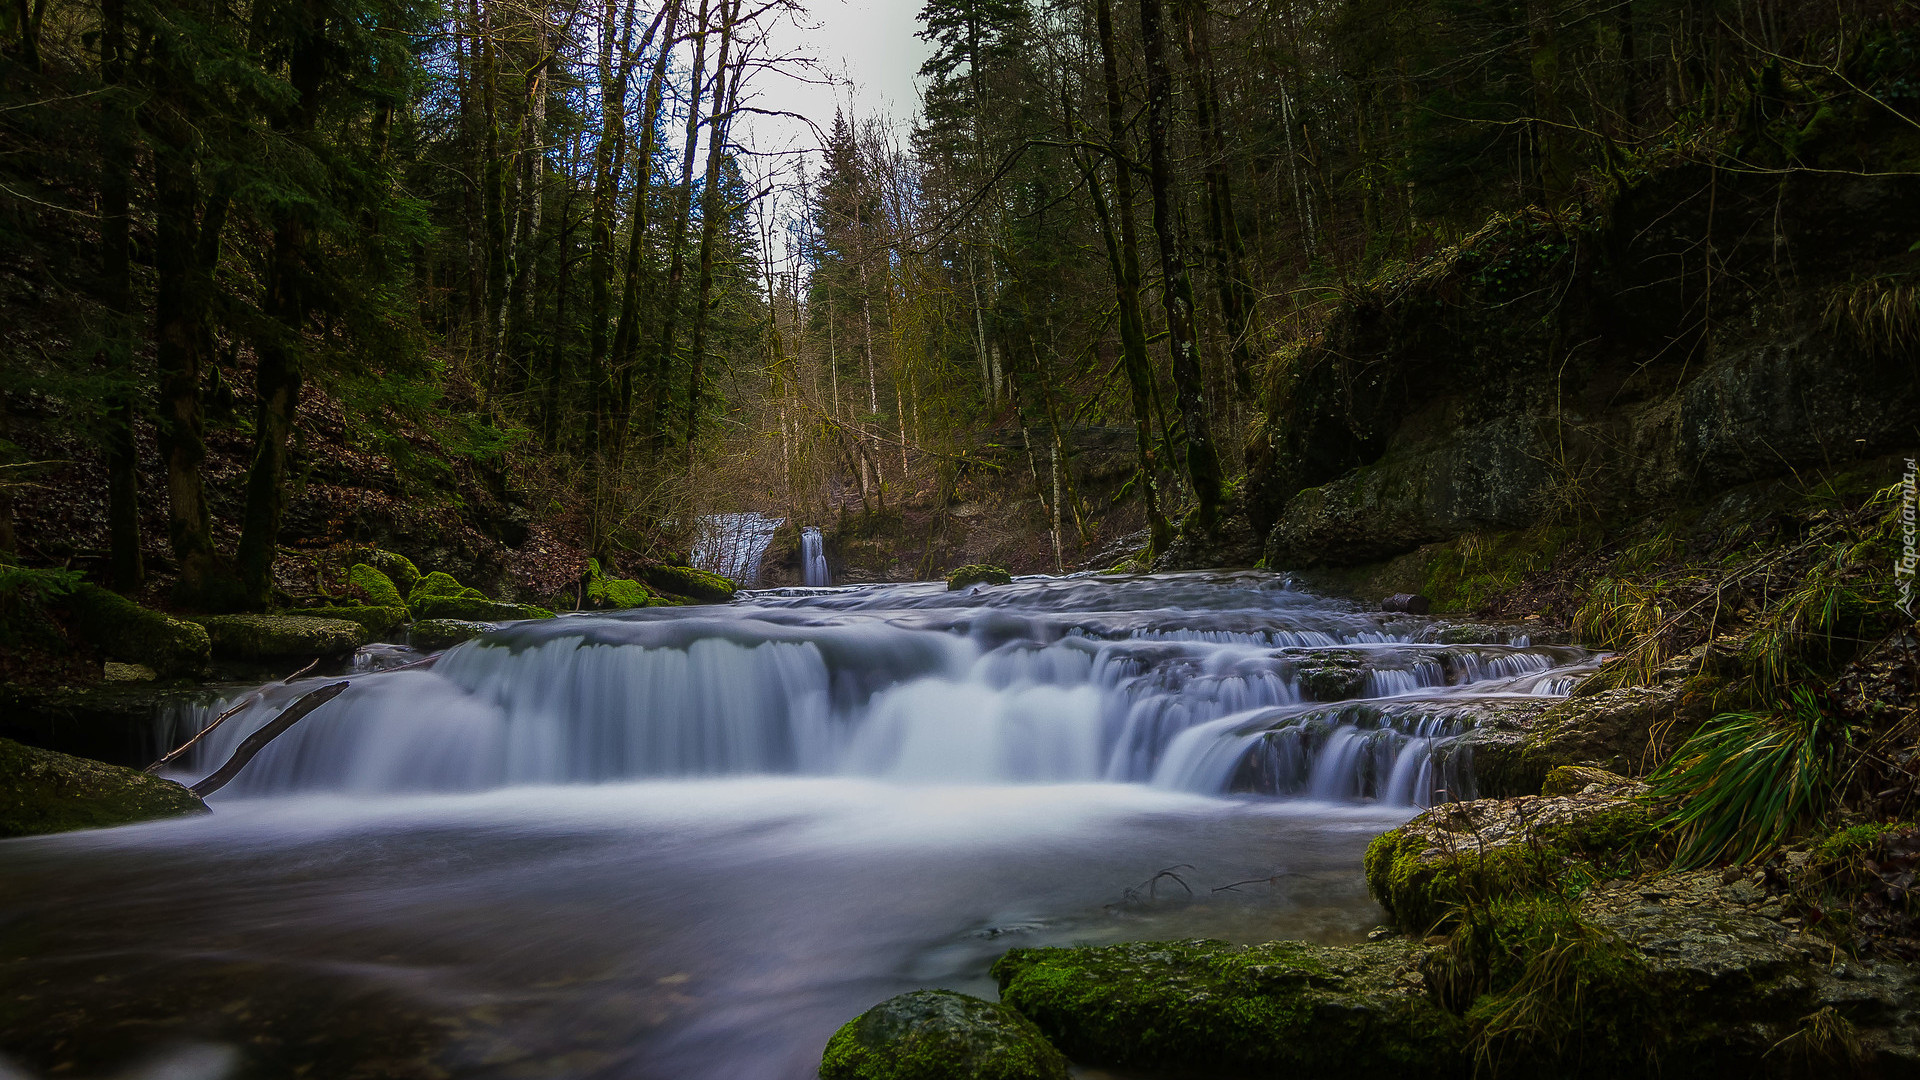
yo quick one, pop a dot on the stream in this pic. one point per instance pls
(689, 843)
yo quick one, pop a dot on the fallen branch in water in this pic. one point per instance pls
(258, 741)
(251, 697)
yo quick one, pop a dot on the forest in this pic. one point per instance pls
(1234, 537)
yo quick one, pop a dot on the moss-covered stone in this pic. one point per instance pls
(398, 568)
(375, 587)
(261, 637)
(1473, 852)
(688, 582)
(432, 635)
(978, 574)
(377, 621)
(472, 610)
(1208, 1008)
(604, 592)
(940, 1035)
(46, 792)
(439, 585)
(1331, 678)
(120, 629)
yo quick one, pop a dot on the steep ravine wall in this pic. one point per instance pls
(1559, 370)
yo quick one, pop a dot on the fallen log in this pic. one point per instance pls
(245, 701)
(1407, 603)
(271, 730)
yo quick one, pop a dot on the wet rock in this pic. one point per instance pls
(432, 635)
(1232, 543)
(688, 582)
(126, 673)
(265, 637)
(120, 723)
(1208, 1008)
(601, 591)
(1585, 780)
(1620, 730)
(1484, 849)
(439, 596)
(398, 568)
(978, 574)
(42, 791)
(378, 622)
(940, 1035)
(123, 630)
(1331, 677)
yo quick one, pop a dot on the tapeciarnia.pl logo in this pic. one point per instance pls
(1903, 570)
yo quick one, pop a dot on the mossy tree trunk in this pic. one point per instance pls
(116, 291)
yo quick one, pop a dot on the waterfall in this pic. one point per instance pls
(1266, 691)
(813, 558)
(732, 545)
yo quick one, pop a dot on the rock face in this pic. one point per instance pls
(940, 1035)
(46, 792)
(268, 637)
(1207, 1008)
(1448, 400)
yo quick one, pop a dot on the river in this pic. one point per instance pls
(688, 843)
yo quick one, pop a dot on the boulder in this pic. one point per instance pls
(432, 635)
(688, 582)
(265, 637)
(377, 621)
(1485, 849)
(978, 574)
(940, 1035)
(42, 791)
(398, 568)
(603, 592)
(376, 588)
(123, 723)
(122, 630)
(439, 596)
(1208, 1008)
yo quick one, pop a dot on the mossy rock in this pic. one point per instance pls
(1208, 1008)
(1332, 679)
(940, 1035)
(1486, 849)
(432, 635)
(688, 582)
(978, 574)
(261, 637)
(377, 621)
(120, 629)
(439, 585)
(42, 791)
(376, 588)
(604, 592)
(475, 610)
(398, 568)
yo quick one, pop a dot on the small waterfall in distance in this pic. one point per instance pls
(732, 545)
(813, 558)
(1204, 683)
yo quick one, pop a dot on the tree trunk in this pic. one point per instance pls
(626, 334)
(1203, 464)
(1223, 231)
(662, 384)
(725, 86)
(128, 568)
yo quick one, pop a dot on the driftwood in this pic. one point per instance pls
(258, 741)
(1408, 603)
(250, 698)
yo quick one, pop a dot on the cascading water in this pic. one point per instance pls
(732, 545)
(813, 558)
(1249, 686)
(688, 844)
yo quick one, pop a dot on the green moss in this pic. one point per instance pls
(978, 574)
(1208, 1008)
(123, 630)
(1332, 679)
(398, 568)
(261, 637)
(1853, 842)
(439, 585)
(607, 593)
(377, 621)
(45, 792)
(1424, 880)
(475, 609)
(689, 582)
(374, 587)
(940, 1035)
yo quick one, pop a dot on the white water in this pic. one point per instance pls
(914, 684)
(813, 558)
(686, 844)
